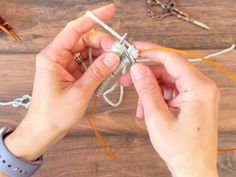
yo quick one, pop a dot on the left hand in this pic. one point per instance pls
(181, 118)
(61, 90)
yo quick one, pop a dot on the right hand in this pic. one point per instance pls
(182, 128)
(62, 89)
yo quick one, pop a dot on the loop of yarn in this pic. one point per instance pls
(23, 101)
(111, 90)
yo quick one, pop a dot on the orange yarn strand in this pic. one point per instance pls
(210, 62)
(100, 139)
(191, 54)
(226, 150)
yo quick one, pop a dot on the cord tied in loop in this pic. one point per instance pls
(23, 101)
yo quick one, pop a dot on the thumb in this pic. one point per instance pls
(100, 69)
(149, 92)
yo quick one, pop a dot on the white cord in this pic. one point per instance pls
(23, 101)
(112, 89)
(215, 54)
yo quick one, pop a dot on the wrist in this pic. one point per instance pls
(195, 172)
(30, 139)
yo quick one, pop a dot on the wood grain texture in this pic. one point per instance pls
(78, 154)
(136, 158)
(38, 21)
(16, 76)
(81, 156)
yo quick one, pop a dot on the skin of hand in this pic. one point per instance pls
(179, 105)
(182, 129)
(62, 90)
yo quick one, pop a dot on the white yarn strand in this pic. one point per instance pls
(215, 54)
(23, 101)
(112, 89)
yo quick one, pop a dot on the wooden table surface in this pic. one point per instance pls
(78, 154)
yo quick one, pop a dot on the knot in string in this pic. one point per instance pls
(23, 101)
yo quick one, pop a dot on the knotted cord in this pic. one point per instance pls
(23, 101)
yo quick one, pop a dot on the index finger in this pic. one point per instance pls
(185, 74)
(68, 38)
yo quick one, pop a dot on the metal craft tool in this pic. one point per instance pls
(168, 9)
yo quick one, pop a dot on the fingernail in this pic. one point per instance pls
(139, 71)
(107, 44)
(111, 60)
